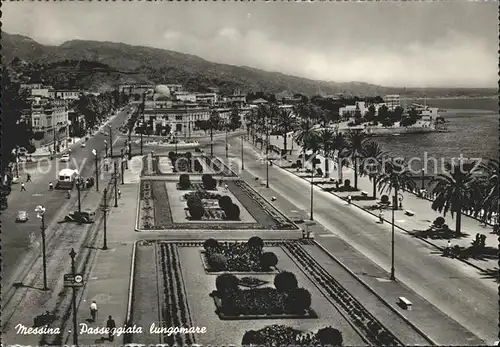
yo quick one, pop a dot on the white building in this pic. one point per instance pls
(392, 101)
(185, 96)
(47, 114)
(207, 98)
(350, 110)
(65, 94)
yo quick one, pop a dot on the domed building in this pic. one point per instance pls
(162, 90)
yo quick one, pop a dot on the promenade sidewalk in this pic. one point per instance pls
(434, 323)
(108, 280)
(423, 216)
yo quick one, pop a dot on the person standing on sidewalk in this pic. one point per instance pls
(119, 192)
(28, 178)
(381, 217)
(349, 199)
(23, 188)
(111, 325)
(93, 310)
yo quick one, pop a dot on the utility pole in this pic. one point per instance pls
(267, 153)
(105, 211)
(116, 190)
(227, 127)
(129, 144)
(72, 254)
(55, 140)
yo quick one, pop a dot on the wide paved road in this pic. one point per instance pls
(16, 236)
(455, 288)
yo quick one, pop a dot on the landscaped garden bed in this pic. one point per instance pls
(281, 335)
(285, 300)
(238, 256)
(217, 166)
(239, 207)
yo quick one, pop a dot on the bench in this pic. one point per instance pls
(363, 193)
(404, 303)
(409, 213)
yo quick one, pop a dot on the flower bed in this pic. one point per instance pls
(281, 335)
(260, 303)
(174, 311)
(234, 257)
(218, 167)
(185, 162)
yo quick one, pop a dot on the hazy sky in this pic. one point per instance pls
(389, 43)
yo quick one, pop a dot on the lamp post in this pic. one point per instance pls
(40, 210)
(94, 152)
(121, 164)
(312, 189)
(105, 148)
(267, 154)
(17, 161)
(394, 205)
(227, 128)
(242, 164)
(104, 209)
(78, 182)
(423, 179)
(116, 190)
(72, 254)
(110, 141)
(129, 144)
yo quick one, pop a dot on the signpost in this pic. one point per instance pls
(71, 280)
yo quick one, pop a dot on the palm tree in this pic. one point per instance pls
(490, 191)
(355, 141)
(340, 144)
(305, 129)
(326, 138)
(285, 123)
(455, 189)
(371, 162)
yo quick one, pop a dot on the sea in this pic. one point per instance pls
(472, 132)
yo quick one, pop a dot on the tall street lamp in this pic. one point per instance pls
(105, 148)
(116, 190)
(242, 164)
(40, 210)
(312, 188)
(129, 144)
(72, 254)
(227, 128)
(110, 141)
(78, 187)
(394, 205)
(104, 209)
(122, 161)
(267, 154)
(423, 179)
(94, 152)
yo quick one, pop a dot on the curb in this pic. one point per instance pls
(395, 225)
(128, 314)
(407, 321)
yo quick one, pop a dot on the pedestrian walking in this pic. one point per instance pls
(381, 217)
(349, 198)
(93, 310)
(119, 193)
(111, 325)
(23, 188)
(448, 246)
(28, 178)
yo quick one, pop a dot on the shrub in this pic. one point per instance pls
(285, 281)
(208, 182)
(384, 199)
(298, 300)
(250, 338)
(184, 182)
(188, 155)
(171, 155)
(255, 242)
(232, 212)
(217, 262)
(196, 209)
(226, 282)
(439, 221)
(268, 260)
(197, 166)
(298, 163)
(319, 172)
(205, 178)
(329, 336)
(347, 183)
(210, 243)
(213, 184)
(225, 202)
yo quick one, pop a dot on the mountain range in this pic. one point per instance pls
(121, 63)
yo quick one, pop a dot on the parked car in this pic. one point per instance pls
(83, 145)
(22, 217)
(65, 157)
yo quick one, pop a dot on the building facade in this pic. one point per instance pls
(65, 94)
(47, 114)
(392, 101)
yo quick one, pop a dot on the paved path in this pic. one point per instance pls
(424, 216)
(455, 288)
(108, 280)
